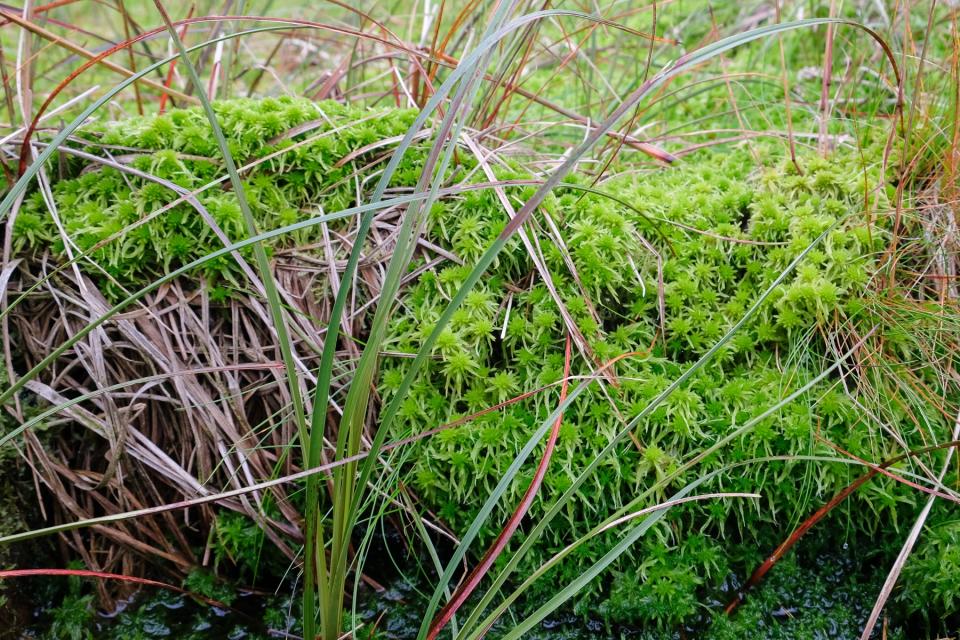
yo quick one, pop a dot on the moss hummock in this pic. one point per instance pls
(662, 263)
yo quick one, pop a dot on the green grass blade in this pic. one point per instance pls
(278, 316)
(555, 178)
(633, 504)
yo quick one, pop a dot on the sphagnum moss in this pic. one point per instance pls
(179, 147)
(724, 231)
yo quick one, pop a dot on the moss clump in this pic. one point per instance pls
(179, 148)
(932, 576)
(723, 232)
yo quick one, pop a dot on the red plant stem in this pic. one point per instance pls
(24, 154)
(473, 580)
(817, 516)
(103, 575)
(84, 573)
(173, 65)
(794, 537)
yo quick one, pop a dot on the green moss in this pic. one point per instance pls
(179, 148)
(712, 235)
(766, 218)
(931, 577)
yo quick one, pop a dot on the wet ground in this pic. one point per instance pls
(826, 597)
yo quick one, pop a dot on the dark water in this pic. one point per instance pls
(822, 597)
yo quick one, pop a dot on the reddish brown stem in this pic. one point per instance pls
(173, 65)
(102, 575)
(24, 155)
(818, 515)
(473, 580)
